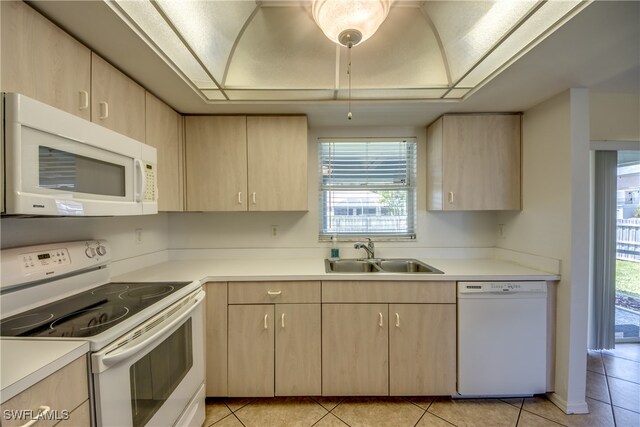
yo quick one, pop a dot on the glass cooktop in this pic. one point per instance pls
(88, 313)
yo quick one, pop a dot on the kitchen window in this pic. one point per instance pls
(367, 188)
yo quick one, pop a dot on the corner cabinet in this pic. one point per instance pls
(164, 132)
(474, 162)
(239, 163)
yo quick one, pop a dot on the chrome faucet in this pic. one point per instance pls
(369, 247)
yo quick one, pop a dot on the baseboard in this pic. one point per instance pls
(568, 408)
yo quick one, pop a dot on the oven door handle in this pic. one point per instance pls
(111, 358)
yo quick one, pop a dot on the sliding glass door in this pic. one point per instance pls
(627, 264)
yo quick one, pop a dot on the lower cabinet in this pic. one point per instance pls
(336, 339)
(395, 349)
(274, 349)
(355, 342)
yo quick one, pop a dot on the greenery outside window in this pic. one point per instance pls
(367, 188)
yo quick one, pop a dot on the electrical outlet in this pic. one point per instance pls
(138, 236)
(274, 230)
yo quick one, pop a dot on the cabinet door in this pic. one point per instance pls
(355, 350)
(43, 62)
(216, 338)
(163, 133)
(216, 163)
(251, 352)
(117, 102)
(422, 349)
(277, 159)
(298, 361)
(481, 162)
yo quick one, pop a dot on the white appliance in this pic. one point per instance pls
(146, 339)
(502, 343)
(59, 164)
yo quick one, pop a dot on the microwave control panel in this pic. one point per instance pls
(150, 194)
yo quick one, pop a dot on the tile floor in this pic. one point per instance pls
(613, 395)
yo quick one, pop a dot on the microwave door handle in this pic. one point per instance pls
(114, 357)
(141, 184)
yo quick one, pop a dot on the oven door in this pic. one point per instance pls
(151, 375)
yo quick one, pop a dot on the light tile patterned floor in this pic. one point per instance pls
(613, 395)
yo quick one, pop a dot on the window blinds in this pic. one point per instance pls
(367, 188)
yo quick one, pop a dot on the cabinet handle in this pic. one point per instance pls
(450, 196)
(380, 319)
(84, 100)
(42, 411)
(272, 293)
(266, 325)
(104, 110)
(282, 320)
(397, 320)
(239, 197)
(253, 197)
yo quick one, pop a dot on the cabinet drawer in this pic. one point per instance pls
(80, 416)
(274, 292)
(63, 390)
(389, 292)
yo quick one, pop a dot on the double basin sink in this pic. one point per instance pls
(379, 265)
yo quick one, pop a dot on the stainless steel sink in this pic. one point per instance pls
(406, 266)
(384, 265)
(350, 266)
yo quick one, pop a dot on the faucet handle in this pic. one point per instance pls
(370, 244)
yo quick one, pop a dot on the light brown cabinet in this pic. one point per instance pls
(355, 350)
(403, 348)
(473, 162)
(216, 338)
(163, 131)
(65, 390)
(274, 339)
(43, 62)
(239, 163)
(117, 102)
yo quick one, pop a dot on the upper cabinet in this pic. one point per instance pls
(164, 132)
(216, 163)
(117, 102)
(238, 163)
(473, 162)
(43, 62)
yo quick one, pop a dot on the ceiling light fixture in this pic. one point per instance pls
(350, 22)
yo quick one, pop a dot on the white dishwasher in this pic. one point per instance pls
(502, 338)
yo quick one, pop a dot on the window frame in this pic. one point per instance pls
(411, 189)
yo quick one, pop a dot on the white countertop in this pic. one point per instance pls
(24, 362)
(261, 269)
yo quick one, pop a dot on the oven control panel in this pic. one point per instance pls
(43, 262)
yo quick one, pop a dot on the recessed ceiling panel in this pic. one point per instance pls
(410, 58)
(469, 29)
(211, 28)
(280, 95)
(372, 94)
(282, 48)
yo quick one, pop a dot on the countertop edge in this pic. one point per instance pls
(38, 374)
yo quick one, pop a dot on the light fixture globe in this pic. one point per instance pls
(350, 21)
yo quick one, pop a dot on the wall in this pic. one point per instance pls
(614, 116)
(119, 231)
(300, 229)
(554, 222)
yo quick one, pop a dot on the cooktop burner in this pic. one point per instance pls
(88, 313)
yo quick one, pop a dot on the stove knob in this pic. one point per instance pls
(90, 252)
(101, 250)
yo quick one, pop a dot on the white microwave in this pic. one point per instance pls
(58, 164)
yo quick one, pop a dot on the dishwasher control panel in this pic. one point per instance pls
(502, 287)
